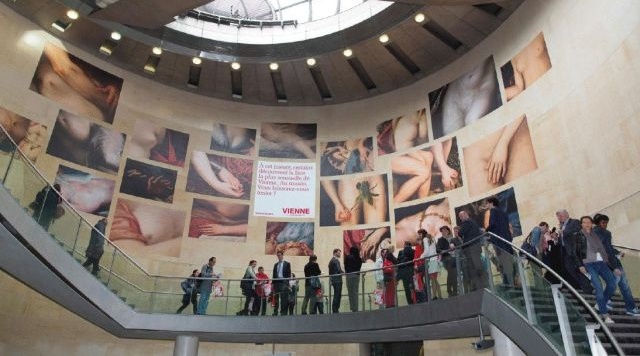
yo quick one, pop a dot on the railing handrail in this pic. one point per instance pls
(573, 291)
(627, 248)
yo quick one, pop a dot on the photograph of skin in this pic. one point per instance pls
(219, 221)
(354, 201)
(430, 216)
(526, 67)
(402, 133)
(479, 211)
(146, 229)
(465, 100)
(500, 157)
(427, 171)
(280, 140)
(290, 238)
(85, 192)
(147, 181)
(233, 139)
(220, 176)
(368, 241)
(158, 144)
(28, 135)
(78, 140)
(76, 85)
(346, 157)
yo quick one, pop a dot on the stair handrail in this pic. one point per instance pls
(573, 291)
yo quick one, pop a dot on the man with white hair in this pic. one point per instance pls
(567, 229)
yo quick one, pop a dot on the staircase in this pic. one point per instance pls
(626, 328)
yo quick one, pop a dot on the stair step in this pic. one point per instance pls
(629, 349)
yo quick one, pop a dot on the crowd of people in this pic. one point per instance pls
(580, 251)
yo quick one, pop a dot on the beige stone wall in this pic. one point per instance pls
(582, 116)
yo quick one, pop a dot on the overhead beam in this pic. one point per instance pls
(149, 14)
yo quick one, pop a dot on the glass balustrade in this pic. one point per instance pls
(516, 280)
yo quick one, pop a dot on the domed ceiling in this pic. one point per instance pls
(286, 52)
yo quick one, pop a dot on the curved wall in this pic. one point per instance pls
(576, 149)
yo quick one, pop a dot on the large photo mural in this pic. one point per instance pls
(526, 67)
(78, 140)
(354, 201)
(465, 100)
(500, 157)
(402, 132)
(76, 85)
(29, 135)
(424, 172)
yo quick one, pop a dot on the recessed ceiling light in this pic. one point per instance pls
(152, 64)
(235, 66)
(157, 51)
(116, 36)
(384, 38)
(311, 62)
(107, 47)
(419, 17)
(347, 52)
(196, 60)
(73, 14)
(61, 25)
(274, 66)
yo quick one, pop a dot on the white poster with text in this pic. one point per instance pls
(285, 189)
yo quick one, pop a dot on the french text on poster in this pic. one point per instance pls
(285, 189)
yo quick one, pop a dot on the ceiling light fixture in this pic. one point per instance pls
(311, 62)
(196, 60)
(235, 66)
(347, 52)
(274, 66)
(384, 38)
(116, 36)
(73, 14)
(61, 25)
(107, 47)
(156, 50)
(152, 64)
(420, 17)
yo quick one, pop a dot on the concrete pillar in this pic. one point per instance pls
(186, 345)
(504, 346)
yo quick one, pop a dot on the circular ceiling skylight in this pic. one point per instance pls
(274, 21)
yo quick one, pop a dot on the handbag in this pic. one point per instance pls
(315, 283)
(528, 247)
(378, 296)
(247, 283)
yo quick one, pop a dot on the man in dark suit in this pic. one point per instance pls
(280, 277)
(567, 230)
(336, 272)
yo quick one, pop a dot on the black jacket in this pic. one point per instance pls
(311, 269)
(576, 246)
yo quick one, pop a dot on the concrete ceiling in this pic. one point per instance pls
(451, 29)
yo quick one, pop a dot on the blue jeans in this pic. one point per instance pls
(625, 290)
(597, 270)
(203, 304)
